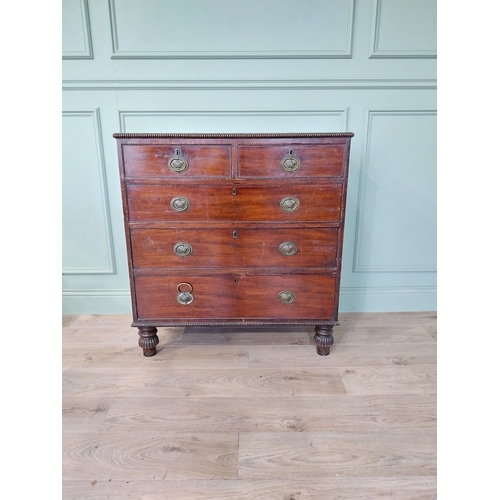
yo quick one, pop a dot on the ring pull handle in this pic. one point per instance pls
(178, 163)
(289, 204)
(185, 297)
(290, 163)
(180, 204)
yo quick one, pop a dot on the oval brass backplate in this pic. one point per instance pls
(289, 204)
(286, 297)
(185, 297)
(290, 163)
(180, 204)
(183, 249)
(178, 164)
(288, 248)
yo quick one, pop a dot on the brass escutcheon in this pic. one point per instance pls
(286, 297)
(183, 249)
(180, 204)
(289, 204)
(290, 163)
(178, 163)
(288, 248)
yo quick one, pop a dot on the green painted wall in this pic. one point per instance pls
(364, 66)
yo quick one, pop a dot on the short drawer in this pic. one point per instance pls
(289, 202)
(193, 297)
(176, 161)
(237, 247)
(293, 160)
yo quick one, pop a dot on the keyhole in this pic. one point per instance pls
(235, 234)
(235, 280)
(234, 191)
(291, 152)
(177, 152)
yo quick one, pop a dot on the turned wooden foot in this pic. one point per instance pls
(148, 340)
(323, 339)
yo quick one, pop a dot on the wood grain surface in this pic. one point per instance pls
(235, 296)
(317, 203)
(315, 160)
(248, 413)
(235, 247)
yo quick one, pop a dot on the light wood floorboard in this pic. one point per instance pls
(162, 455)
(297, 414)
(392, 354)
(250, 413)
(338, 488)
(158, 381)
(325, 454)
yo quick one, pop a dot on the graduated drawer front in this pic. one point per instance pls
(234, 247)
(234, 297)
(320, 203)
(313, 161)
(153, 160)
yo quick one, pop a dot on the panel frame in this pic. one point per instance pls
(376, 53)
(88, 52)
(103, 189)
(346, 53)
(357, 267)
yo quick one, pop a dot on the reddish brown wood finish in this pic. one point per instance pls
(235, 296)
(315, 161)
(152, 161)
(319, 203)
(234, 247)
(234, 224)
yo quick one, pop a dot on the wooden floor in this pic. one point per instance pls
(241, 414)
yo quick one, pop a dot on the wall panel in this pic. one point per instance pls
(396, 224)
(87, 241)
(404, 28)
(76, 37)
(212, 28)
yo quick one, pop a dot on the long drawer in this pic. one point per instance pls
(234, 247)
(277, 203)
(234, 297)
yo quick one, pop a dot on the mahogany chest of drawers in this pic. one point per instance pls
(234, 229)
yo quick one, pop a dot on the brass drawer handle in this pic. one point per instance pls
(185, 297)
(290, 163)
(180, 204)
(289, 204)
(178, 163)
(183, 249)
(288, 248)
(286, 297)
